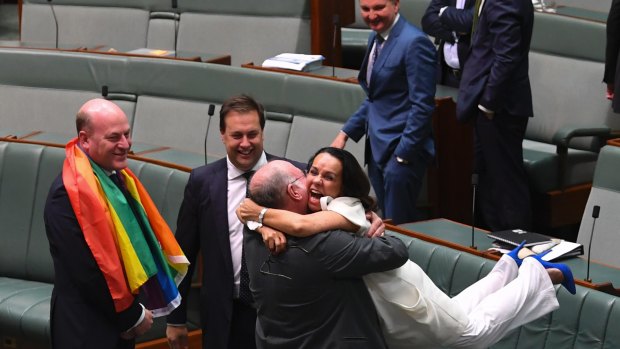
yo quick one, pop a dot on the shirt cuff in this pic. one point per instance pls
(441, 10)
(140, 319)
(176, 325)
(488, 111)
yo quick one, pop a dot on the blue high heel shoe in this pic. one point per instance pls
(515, 254)
(569, 281)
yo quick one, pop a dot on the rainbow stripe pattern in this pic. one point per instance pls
(132, 244)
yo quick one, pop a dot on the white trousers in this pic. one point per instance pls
(416, 313)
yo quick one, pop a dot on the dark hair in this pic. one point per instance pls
(241, 104)
(355, 183)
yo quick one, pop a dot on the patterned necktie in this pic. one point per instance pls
(373, 57)
(245, 295)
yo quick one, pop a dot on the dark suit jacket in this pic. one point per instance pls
(82, 312)
(203, 226)
(401, 96)
(496, 72)
(318, 299)
(451, 20)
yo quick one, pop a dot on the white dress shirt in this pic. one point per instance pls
(236, 193)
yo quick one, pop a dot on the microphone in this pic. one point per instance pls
(176, 26)
(474, 184)
(55, 21)
(104, 91)
(210, 112)
(336, 23)
(595, 211)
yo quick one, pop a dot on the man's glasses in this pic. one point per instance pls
(267, 264)
(298, 178)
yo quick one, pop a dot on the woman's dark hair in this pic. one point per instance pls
(354, 180)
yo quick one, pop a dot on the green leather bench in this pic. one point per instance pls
(26, 268)
(586, 320)
(246, 31)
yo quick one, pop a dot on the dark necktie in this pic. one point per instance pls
(116, 180)
(474, 23)
(245, 295)
(373, 57)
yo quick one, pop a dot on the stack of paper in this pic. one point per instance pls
(294, 61)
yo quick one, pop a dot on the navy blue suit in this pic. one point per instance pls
(202, 225)
(82, 309)
(443, 28)
(495, 76)
(396, 118)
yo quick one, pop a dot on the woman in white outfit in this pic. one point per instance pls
(412, 310)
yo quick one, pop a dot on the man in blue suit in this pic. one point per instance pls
(495, 92)
(207, 222)
(398, 75)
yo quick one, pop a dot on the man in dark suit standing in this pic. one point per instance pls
(495, 92)
(398, 76)
(92, 306)
(207, 222)
(312, 295)
(449, 21)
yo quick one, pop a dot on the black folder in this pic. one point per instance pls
(514, 237)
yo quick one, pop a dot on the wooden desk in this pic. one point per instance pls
(104, 49)
(325, 72)
(458, 236)
(179, 55)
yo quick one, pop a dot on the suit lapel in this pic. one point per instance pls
(218, 188)
(388, 46)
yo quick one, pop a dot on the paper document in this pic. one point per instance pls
(294, 61)
(564, 249)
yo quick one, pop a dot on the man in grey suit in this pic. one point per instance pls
(312, 295)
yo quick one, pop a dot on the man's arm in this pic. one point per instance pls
(420, 68)
(506, 29)
(187, 235)
(346, 255)
(432, 24)
(459, 20)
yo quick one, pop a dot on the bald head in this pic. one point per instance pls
(281, 185)
(104, 133)
(95, 108)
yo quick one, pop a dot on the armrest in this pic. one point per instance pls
(563, 137)
(565, 134)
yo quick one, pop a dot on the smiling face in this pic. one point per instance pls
(243, 138)
(379, 14)
(324, 178)
(105, 136)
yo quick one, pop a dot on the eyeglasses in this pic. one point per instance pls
(296, 179)
(267, 264)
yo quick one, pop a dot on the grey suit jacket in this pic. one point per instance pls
(202, 225)
(312, 295)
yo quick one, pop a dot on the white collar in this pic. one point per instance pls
(234, 172)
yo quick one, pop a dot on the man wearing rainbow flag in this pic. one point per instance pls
(107, 239)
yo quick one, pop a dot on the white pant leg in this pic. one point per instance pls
(504, 271)
(528, 297)
(413, 311)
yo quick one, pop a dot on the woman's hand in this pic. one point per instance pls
(377, 227)
(248, 211)
(274, 240)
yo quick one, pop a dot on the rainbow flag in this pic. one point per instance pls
(132, 244)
